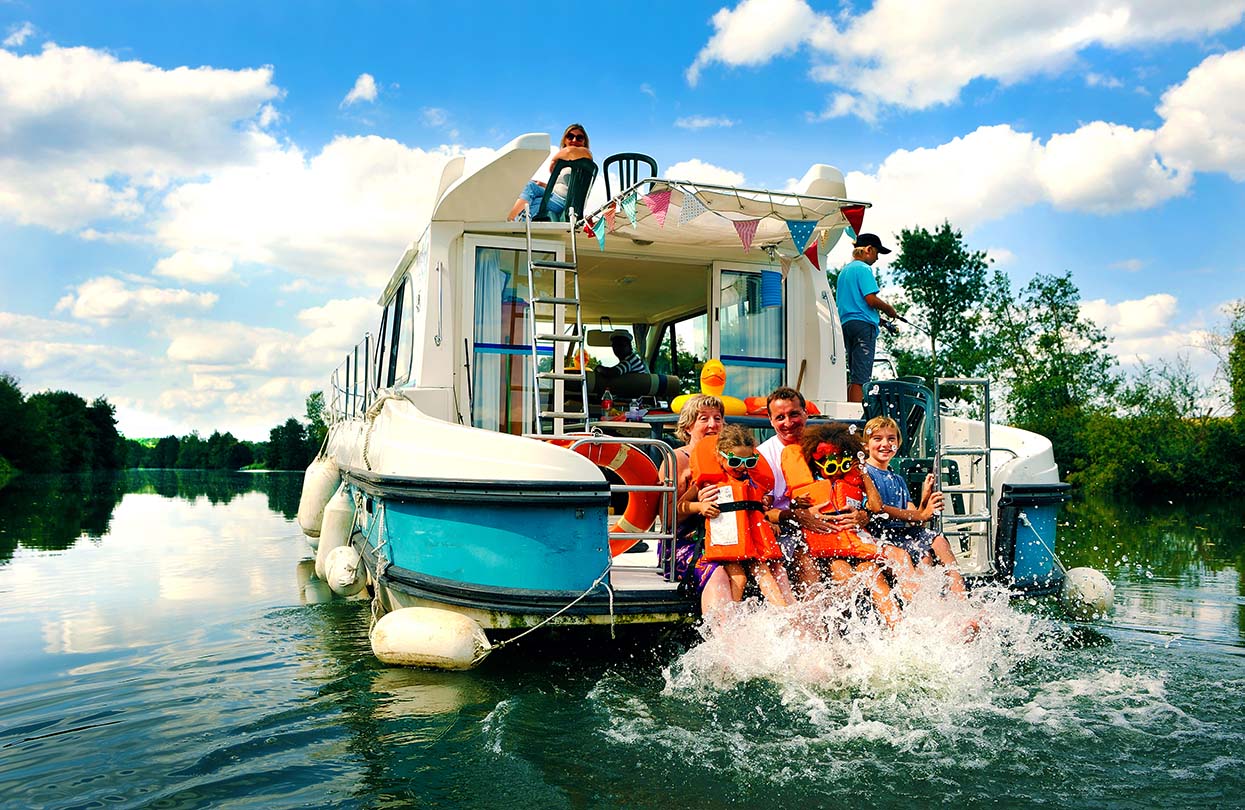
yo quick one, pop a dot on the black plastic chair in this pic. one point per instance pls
(583, 172)
(628, 164)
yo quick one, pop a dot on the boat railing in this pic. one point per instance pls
(667, 487)
(352, 388)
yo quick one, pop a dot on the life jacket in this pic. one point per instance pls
(828, 495)
(741, 531)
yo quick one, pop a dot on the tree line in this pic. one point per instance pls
(59, 432)
(1157, 432)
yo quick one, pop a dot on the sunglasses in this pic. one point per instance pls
(575, 136)
(735, 462)
(834, 466)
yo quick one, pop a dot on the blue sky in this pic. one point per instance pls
(198, 202)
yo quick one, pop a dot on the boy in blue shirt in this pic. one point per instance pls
(903, 522)
(857, 297)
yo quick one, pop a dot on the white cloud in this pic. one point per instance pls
(1134, 318)
(1204, 117)
(917, 55)
(28, 327)
(108, 299)
(92, 368)
(696, 170)
(1101, 80)
(195, 266)
(754, 32)
(1103, 168)
(1000, 256)
(1128, 265)
(18, 34)
(364, 90)
(434, 116)
(844, 104)
(703, 122)
(219, 343)
(83, 133)
(647, 89)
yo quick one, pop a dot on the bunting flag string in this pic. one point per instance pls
(610, 213)
(628, 206)
(810, 253)
(600, 229)
(746, 228)
(801, 230)
(692, 208)
(659, 203)
(855, 216)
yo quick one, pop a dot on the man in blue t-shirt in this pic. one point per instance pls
(857, 297)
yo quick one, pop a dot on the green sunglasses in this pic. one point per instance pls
(735, 462)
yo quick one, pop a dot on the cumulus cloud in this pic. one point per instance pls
(698, 171)
(96, 367)
(108, 299)
(196, 266)
(83, 133)
(18, 34)
(435, 116)
(28, 327)
(1103, 168)
(1143, 316)
(1204, 117)
(703, 122)
(916, 55)
(364, 90)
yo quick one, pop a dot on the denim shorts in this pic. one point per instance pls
(916, 540)
(534, 192)
(861, 338)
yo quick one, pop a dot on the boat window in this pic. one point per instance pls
(683, 349)
(501, 371)
(404, 329)
(382, 349)
(395, 306)
(751, 338)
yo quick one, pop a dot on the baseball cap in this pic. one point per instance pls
(870, 240)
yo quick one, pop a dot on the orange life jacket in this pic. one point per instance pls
(741, 532)
(828, 495)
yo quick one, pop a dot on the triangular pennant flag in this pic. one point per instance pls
(855, 216)
(589, 230)
(810, 253)
(610, 213)
(692, 208)
(601, 233)
(785, 263)
(658, 202)
(827, 246)
(628, 206)
(801, 230)
(746, 228)
(850, 233)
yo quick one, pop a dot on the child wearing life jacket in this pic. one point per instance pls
(737, 535)
(825, 467)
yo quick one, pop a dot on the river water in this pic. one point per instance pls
(157, 652)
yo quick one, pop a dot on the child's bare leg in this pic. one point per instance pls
(716, 593)
(955, 581)
(807, 572)
(881, 593)
(900, 564)
(739, 579)
(764, 576)
(779, 571)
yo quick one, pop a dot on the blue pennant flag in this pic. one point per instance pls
(628, 206)
(801, 230)
(847, 229)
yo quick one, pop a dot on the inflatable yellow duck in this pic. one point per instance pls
(713, 382)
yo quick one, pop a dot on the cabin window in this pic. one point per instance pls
(683, 349)
(751, 337)
(393, 312)
(501, 371)
(382, 350)
(404, 330)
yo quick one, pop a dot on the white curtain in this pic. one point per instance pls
(487, 381)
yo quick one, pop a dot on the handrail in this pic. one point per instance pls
(352, 398)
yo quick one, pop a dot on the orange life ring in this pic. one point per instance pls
(635, 468)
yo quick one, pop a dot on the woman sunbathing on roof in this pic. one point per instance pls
(573, 147)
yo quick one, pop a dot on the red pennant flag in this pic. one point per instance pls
(746, 228)
(588, 229)
(610, 213)
(658, 202)
(810, 253)
(855, 216)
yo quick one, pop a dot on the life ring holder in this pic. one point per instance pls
(635, 468)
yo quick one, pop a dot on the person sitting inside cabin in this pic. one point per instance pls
(574, 146)
(902, 522)
(628, 361)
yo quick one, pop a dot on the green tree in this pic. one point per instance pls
(192, 452)
(944, 285)
(317, 424)
(287, 446)
(64, 432)
(17, 440)
(1235, 360)
(1052, 363)
(105, 441)
(166, 453)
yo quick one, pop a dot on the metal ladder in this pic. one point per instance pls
(977, 522)
(557, 340)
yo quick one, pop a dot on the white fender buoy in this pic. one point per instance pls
(345, 575)
(314, 542)
(1087, 594)
(319, 483)
(429, 637)
(336, 528)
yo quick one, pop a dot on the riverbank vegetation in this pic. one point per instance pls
(1158, 432)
